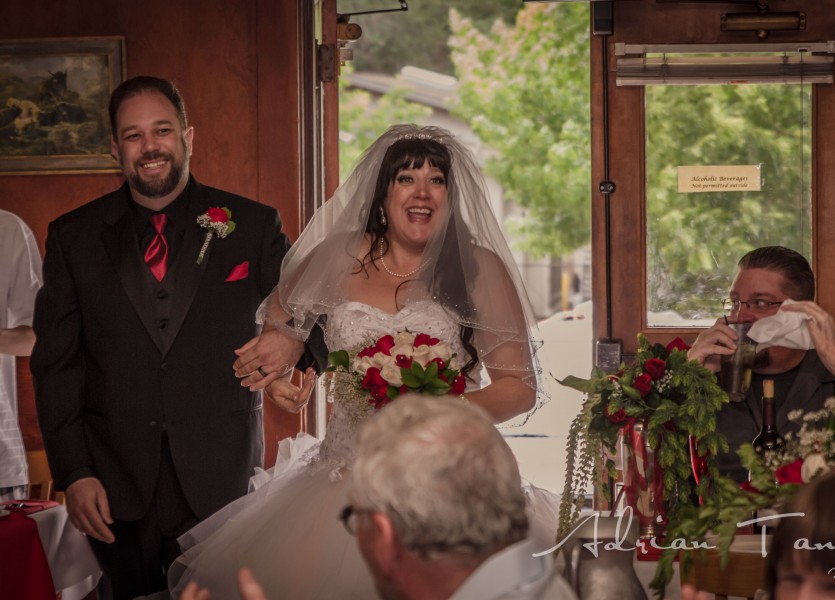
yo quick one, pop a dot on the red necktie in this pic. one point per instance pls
(157, 253)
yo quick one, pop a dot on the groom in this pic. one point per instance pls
(148, 291)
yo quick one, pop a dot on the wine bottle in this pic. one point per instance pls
(768, 438)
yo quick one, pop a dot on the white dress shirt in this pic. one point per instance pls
(514, 574)
(20, 279)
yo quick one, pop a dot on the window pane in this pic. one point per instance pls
(695, 238)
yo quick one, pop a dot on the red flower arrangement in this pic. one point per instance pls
(675, 398)
(401, 363)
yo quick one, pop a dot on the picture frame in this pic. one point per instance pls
(54, 96)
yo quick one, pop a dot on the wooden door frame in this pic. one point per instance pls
(648, 22)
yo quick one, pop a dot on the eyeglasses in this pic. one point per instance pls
(348, 516)
(759, 305)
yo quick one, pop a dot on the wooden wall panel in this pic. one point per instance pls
(234, 62)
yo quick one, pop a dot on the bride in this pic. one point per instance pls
(408, 243)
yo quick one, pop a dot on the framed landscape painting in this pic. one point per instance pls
(53, 104)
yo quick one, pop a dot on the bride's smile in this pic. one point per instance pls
(415, 204)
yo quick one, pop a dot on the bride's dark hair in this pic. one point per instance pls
(412, 153)
(469, 268)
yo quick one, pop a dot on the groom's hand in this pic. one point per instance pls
(266, 358)
(89, 510)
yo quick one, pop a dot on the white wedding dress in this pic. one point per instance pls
(287, 530)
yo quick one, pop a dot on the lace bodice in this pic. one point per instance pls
(354, 325)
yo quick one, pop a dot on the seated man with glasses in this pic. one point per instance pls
(438, 509)
(766, 277)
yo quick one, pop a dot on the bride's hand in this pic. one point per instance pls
(290, 397)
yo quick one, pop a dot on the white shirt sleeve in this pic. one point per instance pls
(23, 265)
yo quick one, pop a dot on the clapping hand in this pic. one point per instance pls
(247, 585)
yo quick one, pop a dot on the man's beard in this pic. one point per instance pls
(157, 188)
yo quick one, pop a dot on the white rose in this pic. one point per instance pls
(403, 338)
(405, 349)
(361, 365)
(442, 350)
(391, 373)
(379, 360)
(423, 354)
(812, 466)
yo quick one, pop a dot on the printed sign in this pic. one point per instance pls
(719, 178)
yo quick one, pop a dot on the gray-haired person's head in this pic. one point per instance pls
(444, 476)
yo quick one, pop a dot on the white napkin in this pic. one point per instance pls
(784, 329)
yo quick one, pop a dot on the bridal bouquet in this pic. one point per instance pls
(398, 364)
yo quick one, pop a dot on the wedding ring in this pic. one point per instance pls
(262, 371)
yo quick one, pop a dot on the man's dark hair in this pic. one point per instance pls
(800, 281)
(140, 85)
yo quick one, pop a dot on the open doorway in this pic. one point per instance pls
(511, 81)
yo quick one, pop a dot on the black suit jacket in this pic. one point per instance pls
(110, 375)
(741, 421)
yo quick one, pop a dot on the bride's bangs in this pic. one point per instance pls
(411, 154)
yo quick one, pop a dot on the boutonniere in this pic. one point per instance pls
(217, 222)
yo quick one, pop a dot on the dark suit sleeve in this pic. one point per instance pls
(57, 365)
(275, 246)
(315, 351)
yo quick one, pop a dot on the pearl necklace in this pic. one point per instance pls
(402, 276)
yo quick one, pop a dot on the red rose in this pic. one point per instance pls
(423, 339)
(677, 344)
(642, 383)
(367, 351)
(616, 418)
(790, 473)
(217, 215)
(385, 343)
(441, 364)
(374, 382)
(655, 368)
(403, 361)
(459, 384)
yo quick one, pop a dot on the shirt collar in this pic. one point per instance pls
(510, 569)
(176, 211)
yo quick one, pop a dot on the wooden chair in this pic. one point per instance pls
(41, 486)
(743, 575)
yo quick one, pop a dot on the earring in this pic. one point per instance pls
(383, 220)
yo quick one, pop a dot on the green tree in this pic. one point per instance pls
(418, 36)
(695, 239)
(363, 118)
(525, 92)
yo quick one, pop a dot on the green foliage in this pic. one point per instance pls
(716, 521)
(338, 360)
(676, 398)
(417, 37)
(363, 119)
(525, 92)
(695, 239)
